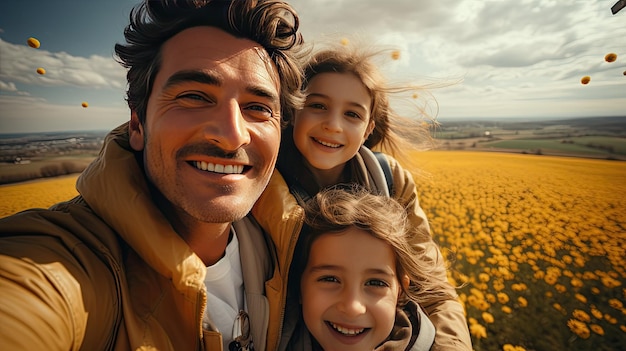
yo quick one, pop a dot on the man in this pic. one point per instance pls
(154, 254)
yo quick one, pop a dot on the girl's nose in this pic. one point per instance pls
(351, 304)
(332, 123)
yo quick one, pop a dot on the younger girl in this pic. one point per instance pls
(352, 271)
(346, 112)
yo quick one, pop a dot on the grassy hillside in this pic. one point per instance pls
(583, 137)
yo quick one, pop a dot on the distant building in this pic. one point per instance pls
(20, 161)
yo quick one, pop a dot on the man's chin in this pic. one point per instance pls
(224, 211)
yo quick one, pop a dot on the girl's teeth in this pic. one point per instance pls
(346, 331)
(328, 144)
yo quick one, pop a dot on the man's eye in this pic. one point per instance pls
(259, 111)
(193, 100)
(191, 96)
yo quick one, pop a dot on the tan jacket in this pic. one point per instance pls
(278, 212)
(106, 271)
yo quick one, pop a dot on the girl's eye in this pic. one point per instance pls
(316, 106)
(328, 279)
(353, 115)
(377, 283)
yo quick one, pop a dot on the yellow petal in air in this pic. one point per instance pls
(611, 57)
(33, 43)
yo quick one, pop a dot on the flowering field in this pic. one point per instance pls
(40, 193)
(539, 241)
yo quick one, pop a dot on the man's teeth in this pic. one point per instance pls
(328, 144)
(346, 331)
(217, 168)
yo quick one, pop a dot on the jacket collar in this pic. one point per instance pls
(115, 187)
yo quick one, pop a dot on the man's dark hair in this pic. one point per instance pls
(272, 24)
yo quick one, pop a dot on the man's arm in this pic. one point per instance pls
(34, 309)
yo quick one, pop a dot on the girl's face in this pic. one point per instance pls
(349, 290)
(333, 124)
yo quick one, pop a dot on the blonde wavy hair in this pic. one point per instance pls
(336, 209)
(394, 133)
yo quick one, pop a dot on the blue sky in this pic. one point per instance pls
(511, 58)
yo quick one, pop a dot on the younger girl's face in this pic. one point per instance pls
(349, 291)
(333, 124)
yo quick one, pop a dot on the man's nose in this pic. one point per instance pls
(228, 127)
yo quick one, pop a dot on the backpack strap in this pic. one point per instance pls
(384, 164)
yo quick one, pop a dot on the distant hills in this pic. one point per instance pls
(594, 137)
(25, 156)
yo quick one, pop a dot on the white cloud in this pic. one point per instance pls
(516, 58)
(10, 86)
(511, 54)
(20, 62)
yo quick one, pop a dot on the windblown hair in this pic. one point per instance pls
(339, 208)
(393, 133)
(272, 24)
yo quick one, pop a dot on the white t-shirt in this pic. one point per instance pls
(225, 293)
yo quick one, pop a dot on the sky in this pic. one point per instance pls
(480, 59)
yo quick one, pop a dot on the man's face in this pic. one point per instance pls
(212, 129)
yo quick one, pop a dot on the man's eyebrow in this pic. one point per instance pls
(264, 93)
(192, 76)
(204, 77)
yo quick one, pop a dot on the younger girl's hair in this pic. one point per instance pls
(393, 134)
(338, 208)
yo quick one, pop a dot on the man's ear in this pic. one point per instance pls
(136, 132)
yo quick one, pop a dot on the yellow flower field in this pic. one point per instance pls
(41, 193)
(538, 242)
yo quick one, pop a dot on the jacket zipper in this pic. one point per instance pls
(201, 303)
